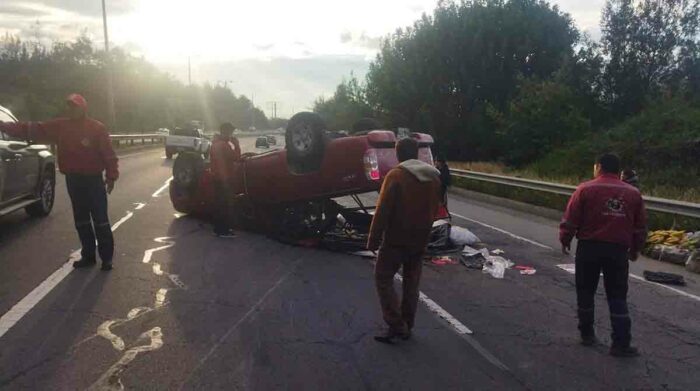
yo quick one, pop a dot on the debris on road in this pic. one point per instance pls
(528, 270)
(672, 246)
(462, 236)
(473, 262)
(495, 269)
(664, 278)
(498, 251)
(442, 261)
(472, 258)
(693, 262)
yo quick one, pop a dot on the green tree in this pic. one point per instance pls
(443, 73)
(347, 105)
(544, 116)
(34, 80)
(652, 49)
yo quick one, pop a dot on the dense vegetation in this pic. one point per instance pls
(34, 80)
(514, 81)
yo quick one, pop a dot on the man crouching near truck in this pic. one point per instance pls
(84, 153)
(408, 203)
(225, 151)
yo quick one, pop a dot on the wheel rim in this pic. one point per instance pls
(185, 176)
(302, 139)
(47, 194)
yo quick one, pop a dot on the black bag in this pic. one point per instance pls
(664, 278)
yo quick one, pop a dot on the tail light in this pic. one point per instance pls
(372, 165)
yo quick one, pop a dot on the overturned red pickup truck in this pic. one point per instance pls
(290, 191)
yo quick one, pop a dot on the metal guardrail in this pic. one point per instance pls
(680, 208)
(130, 139)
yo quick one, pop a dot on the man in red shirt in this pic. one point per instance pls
(608, 218)
(84, 153)
(225, 151)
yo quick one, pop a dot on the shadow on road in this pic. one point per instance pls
(68, 320)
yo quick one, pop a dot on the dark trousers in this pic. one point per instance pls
(443, 193)
(89, 199)
(399, 316)
(592, 257)
(222, 218)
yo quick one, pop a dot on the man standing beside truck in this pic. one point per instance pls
(225, 151)
(400, 230)
(84, 153)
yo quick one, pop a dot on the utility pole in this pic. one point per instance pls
(108, 67)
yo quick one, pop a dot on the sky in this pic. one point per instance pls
(289, 52)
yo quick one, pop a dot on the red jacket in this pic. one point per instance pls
(608, 210)
(224, 152)
(84, 146)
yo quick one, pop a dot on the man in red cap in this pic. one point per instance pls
(225, 151)
(84, 153)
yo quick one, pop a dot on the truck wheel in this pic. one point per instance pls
(305, 141)
(187, 170)
(47, 193)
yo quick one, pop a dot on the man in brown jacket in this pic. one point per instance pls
(400, 230)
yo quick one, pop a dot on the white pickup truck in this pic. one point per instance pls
(189, 139)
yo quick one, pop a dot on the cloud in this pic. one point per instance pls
(88, 7)
(294, 83)
(362, 40)
(264, 47)
(416, 8)
(345, 37)
(22, 10)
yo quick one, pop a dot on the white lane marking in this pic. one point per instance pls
(156, 269)
(165, 186)
(104, 330)
(17, 312)
(680, 292)
(122, 220)
(110, 380)
(538, 244)
(463, 331)
(160, 297)
(570, 268)
(439, 311)
(139, 205)
(149, 253)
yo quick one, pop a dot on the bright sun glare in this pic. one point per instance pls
(167, 30)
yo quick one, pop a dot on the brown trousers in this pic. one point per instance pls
(399, 317)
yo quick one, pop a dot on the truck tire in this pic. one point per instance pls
(46, 192)
(187, 170)
(305, 142)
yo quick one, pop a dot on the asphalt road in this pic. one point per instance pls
(186, 310)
